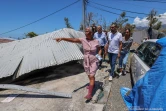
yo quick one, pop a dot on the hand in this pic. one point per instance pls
(58, 39)
(105, 53)
(118, 55)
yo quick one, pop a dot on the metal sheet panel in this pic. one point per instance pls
(38, 52)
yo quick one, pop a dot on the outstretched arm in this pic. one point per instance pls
(73, 40)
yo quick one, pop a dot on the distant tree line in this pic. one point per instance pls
(121, 21)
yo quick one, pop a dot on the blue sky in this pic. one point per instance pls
(17, 13)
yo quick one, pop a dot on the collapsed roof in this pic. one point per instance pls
(23, 56)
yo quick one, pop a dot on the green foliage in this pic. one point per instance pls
(153, 21)
(31, 34)
(121, 20)
(67, 23)
(122, 25)
(157, 26)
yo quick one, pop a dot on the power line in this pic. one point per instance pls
(107, 11)
(142, 6)
(163, 1)
(124, 2)
(41, 18)
(149, 1)
(118, 9)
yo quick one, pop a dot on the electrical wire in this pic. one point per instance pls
(117, 8)
(163, 1)
(107, 11)
(149, 1)
(42, 17)
(142, 6)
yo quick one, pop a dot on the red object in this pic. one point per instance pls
(89, 95)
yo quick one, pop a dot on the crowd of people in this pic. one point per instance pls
(100, 42)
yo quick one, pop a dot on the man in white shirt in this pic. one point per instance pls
(114, 47)
(101, 37)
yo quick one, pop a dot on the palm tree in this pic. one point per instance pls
(153, 21)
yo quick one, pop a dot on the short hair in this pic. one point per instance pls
(115, 24)
(91, 29)
(99, 26)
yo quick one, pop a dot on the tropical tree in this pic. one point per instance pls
(68, 25)
(121, 20)
(153, 20)
(31, 34)
(92, 18)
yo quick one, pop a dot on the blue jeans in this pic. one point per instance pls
(112, 58)
(123, 59)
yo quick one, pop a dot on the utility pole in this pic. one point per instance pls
(83, 13)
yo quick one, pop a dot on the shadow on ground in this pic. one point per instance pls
(48, 74)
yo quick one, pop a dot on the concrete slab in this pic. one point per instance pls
(66, 78)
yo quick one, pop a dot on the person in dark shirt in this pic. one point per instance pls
(94, 28)
(150, 31)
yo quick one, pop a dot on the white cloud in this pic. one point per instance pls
(144, 23)
(162, 18)
(140, 22)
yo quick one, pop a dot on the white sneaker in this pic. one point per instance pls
(99, 57)
(120, 73)
(110, 78)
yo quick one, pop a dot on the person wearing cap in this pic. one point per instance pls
(90, 47)
(94, 28)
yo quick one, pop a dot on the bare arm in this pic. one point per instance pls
(106, 47)
(120, 48)
(73, 40)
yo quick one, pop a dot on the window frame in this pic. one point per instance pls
(146, 49)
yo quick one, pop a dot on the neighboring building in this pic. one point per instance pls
(5, 40)
(139, 35)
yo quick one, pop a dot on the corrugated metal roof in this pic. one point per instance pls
(39, 52)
